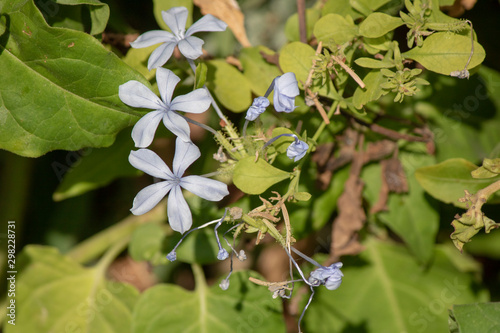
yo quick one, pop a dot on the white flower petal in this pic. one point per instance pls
(161, 55)
(179, 214)
(136, 94)
(144, 130)
(176, 18)
(166, 80)
(206, 188)
(196, 101)
(185, 154)
(190, 47)
(146, 160)
(149, 197)
(151, 38)
(288, 85)
(206, 23)
(177, 125)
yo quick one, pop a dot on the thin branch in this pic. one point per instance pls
(308, 91)
(349, 71)
(301, 11)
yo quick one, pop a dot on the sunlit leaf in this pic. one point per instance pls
(55, 294)
(445, 52)
(243, 307)
(386, 282)
(61, 89)
(254, 177)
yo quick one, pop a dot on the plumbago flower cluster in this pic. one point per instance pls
(167, 110)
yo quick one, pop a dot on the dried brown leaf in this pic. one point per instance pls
(229, 12)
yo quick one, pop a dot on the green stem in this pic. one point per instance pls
(265, 227)
(322, 126)
(94, 246)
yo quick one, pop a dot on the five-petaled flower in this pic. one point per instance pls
(190, 46)
(136, 94)
(330, 277)
(285, 90)
(179, 214)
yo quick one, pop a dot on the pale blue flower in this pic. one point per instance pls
(179, 214)
(285, 90)
(136, 94)
(330, 277)
(190, 46)
(297, 149)
(259, 105)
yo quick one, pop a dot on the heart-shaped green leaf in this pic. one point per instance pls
(254, 177)
(244, 307)
(61, 87)
(55, 294)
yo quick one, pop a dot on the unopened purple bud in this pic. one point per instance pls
(285, 90)
(297, 150)
(222, 255)
(259, 105)
(172, 256)
(224, 284)
(330, 277)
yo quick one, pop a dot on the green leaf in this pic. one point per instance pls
(244, 307)
(259, 73)
(341, 7)
(98, 168)
(445, 52)
(73, 17)
(472, 318)
(336, 28)
(146, 244)
(372, 91)
(160, 5)
(489, 169)
(55, 294)
(229, 85)
(373, 63)
(297, 57)
(465, 123)
(201, 75)
(292, 24)
(254, 177)
(378, 24)
(412, 216)
(447, 181)
(61, 89)
(385, 290)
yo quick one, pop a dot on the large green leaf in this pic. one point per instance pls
(335, 28)
(378, 24)
(341, 7)
(465, 123)
(473, 318)
(447, 180)
(385, 290)
(98, 168)
(412, 216)
(244, 307)
(70, 15)
(254, 177)
(55, 294)
(61, 87)
(229, 85)
(445, 52)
